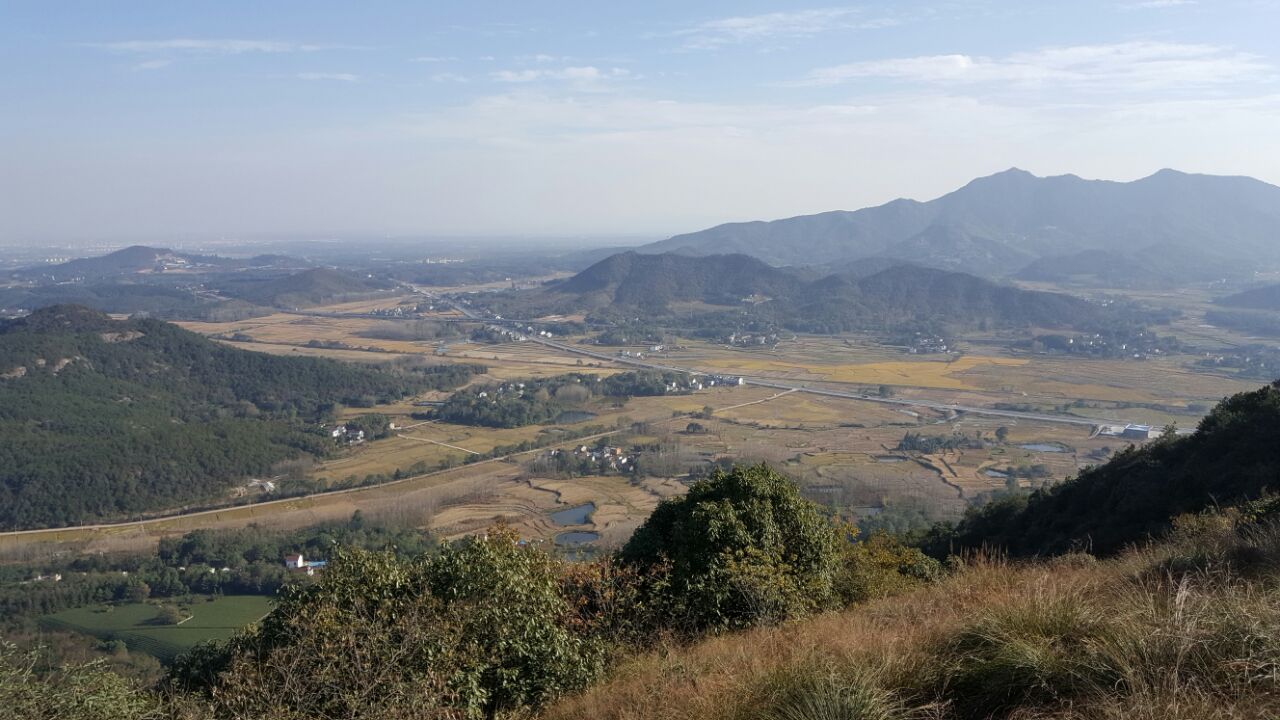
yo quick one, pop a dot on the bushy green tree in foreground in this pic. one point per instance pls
(742, 548)
(481, 628)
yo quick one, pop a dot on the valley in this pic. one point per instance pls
(830, 410)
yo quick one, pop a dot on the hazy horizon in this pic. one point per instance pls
(162, 122)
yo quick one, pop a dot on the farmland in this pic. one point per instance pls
(211, 618)
(840, 450)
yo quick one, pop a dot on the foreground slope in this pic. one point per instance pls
(998, 224)
(103, 418)
(1179, 631)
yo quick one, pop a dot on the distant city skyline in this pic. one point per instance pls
(153, 119)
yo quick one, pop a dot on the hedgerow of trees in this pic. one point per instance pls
(535, 401)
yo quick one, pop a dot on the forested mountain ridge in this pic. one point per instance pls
(653, 281)
(996, 225)
(104, 418)
(632, 282)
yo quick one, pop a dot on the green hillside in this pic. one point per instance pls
(106, 418)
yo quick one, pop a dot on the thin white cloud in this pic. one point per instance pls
(449, 78)
(543, 58)
(1157, 4)
(582, 74)
(433, 59)
(777, 25)
(1133, 66)
(335, 77)
(206, 46)
(153, 64)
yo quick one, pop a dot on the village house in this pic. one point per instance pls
(295, 562)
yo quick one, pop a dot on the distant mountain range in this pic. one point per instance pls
(655, 285)
(172, 284)
(139, 259)
(1167, 227)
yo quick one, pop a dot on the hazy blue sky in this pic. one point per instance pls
(142, 119)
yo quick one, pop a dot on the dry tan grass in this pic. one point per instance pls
(1192, 649)
(709, 681)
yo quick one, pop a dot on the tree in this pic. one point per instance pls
(167, 615)
(137, 592)
(479, 630)
(1002, 433)
(742, 548)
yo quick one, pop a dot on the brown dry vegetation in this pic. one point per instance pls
(1183, 630)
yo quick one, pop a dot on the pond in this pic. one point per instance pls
(1043, 447)
(577, 537)
(576, 515)
(890, 458)
(569, 417)
(995, 474)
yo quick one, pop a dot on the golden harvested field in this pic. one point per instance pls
(798, 410)
(925, 373)
(427, 442)
(410, 501)
(354, 356)
(1164, 381)
(369, 305)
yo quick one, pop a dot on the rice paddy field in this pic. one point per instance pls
(211, 618)
(843, 452)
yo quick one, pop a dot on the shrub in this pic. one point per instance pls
(742, 548)
(881, 566)
(478, 630)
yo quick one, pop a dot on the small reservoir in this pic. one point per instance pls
(1043, 447)
(576, 515)
(576, 537)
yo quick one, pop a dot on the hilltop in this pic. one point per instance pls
(1195, 225)
(901, 293)
(142, 259)
(106, 418)
(654, 281)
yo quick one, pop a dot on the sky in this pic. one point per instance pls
(171, 120)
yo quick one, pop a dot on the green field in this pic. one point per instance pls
(211, 619)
